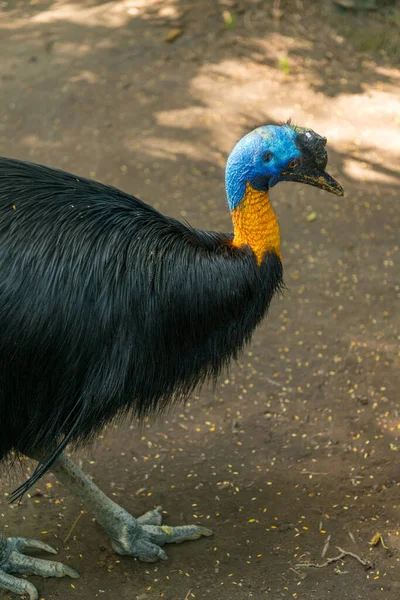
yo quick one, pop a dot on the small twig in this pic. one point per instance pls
(365, 563)
(326, 546)
(277, 384)
(329, 561)
(73, 526)
(351, 536)
(272, 382)
(187, 595)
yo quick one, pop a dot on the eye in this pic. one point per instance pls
(294, 163)
(267, 156)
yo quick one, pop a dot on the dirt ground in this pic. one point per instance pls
(296, 452)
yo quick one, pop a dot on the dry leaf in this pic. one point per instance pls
(173, 35)
(376, 539)
(229, 19)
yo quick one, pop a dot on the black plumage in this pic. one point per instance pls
(108, 307)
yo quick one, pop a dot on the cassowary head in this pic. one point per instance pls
(273, 153)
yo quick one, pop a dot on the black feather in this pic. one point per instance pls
(108, 307)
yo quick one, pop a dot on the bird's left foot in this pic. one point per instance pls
(13, 560)
(143, 537)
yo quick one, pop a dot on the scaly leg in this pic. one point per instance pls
(12, 560)
(142, 537)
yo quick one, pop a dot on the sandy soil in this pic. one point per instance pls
(296, 452)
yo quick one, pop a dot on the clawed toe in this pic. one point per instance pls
(175, 535)
(17, 586)
(146, 551)
(29, 544)
(27, 565)
(142, 538)
(152, 517)
(12, 560)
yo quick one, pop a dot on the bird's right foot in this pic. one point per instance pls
(142, 538)
(12, 560)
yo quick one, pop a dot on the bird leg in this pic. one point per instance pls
(13, 560)
(142, 537)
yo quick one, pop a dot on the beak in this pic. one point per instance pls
(320, 179)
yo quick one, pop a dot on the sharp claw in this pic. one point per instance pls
(26, 543)
(32, 591)
(163, 555)
(207, 532)
(158, 554)
(71, 573)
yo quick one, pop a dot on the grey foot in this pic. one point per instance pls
(143, 537)
(12, 560)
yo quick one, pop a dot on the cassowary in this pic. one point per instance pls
(110, 309)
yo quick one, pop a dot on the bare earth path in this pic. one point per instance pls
(299, 447)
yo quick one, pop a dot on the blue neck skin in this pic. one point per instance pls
(236, 181)
(238, 173)
(246, 163)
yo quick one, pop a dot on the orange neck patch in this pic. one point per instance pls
(255, 224)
